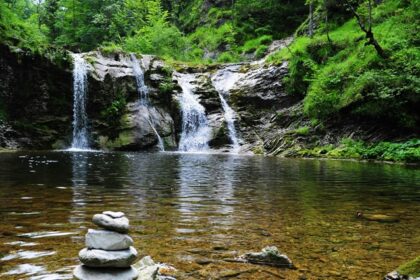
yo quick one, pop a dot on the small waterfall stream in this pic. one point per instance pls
(80, 119)
(195, 128)
(223, 81)
(143, 92)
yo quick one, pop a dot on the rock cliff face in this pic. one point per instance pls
(35, 100)
(36, 111)
(118, 120)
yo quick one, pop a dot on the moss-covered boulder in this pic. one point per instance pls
(407, 271)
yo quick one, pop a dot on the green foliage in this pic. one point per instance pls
(343, 75)
(111, 47)
(211, 33)
(408, 151)
(303, 131)
(412, 268)
(228, 57)
(253, 44)
(209, 38)
(116, 109)
(19, 26)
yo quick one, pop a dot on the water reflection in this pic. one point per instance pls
(79, 164)
(182, 206)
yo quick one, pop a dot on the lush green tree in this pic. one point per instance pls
(157, 36)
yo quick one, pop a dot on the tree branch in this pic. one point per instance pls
(368, 32)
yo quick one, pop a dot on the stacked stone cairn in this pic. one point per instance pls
(109, 251)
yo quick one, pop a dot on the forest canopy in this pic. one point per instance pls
(182, 30)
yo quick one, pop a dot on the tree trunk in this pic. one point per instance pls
(368, 31)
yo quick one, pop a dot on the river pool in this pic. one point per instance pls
(196, 210)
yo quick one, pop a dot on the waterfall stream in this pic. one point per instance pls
(80, 120)
(223, 81)
(143, 92)
(195, 128)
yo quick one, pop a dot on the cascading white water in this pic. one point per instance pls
(142, 89)
(223, 81)
(143, 92)
(195, 128)
(80, 119)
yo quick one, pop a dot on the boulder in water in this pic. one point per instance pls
(407, 271)
(107, 240)
(113, 259)
(83, 272)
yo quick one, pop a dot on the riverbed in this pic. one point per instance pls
(196, 210)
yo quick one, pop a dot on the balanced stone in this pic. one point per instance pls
(120, 225)
(113, 214)
(82, 272)
(107, 240)
(114, 259)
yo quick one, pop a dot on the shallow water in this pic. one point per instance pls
(186, 208)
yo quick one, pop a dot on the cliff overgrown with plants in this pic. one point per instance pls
(350, 60)
(341, 74)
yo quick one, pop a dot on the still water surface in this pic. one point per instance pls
(187, 209)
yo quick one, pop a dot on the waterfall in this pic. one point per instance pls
(223, 81)
(143, 92)
(195, 129)
(142, 89)
(80, 120)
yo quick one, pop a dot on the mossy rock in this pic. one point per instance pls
(411, 268)
(258, 150)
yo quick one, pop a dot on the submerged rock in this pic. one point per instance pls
(149, 270)
(120, 225)
(83, 272)
(377, 218)
(102, 258)
(268, 256)
(107, 240)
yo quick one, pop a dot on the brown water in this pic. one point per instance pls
(186, 209)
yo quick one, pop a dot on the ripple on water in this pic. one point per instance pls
(181, 205)
(27, 269)
(43, 234)
(27, 255)
(21, 243)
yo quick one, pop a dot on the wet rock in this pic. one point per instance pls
(83, 272)
(259, 87)
(113, 214)
(120, 225)
(378, 218)
(102, 258)
(203, 261)
(407, 271)
(268, 256)
(136, 131)
(395, 275)
(220, 248)
(149, 270)
(107, 240)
